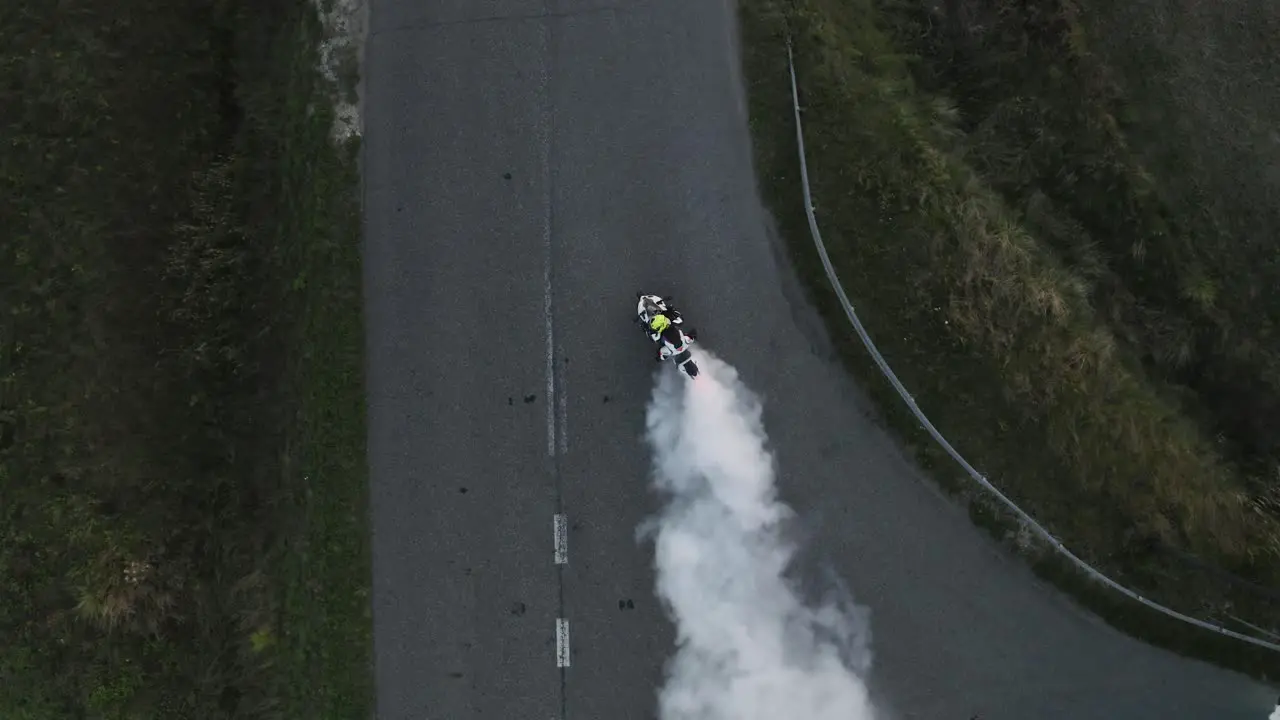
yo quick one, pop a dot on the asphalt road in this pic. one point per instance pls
(528, 155)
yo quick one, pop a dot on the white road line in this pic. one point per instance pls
(562, 539)
(563, 433)
(562, 643)
(551, 362)
(544, 133)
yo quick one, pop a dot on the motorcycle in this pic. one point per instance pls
(673, 343)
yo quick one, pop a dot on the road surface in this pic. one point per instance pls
(529, 165)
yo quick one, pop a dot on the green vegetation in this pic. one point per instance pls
(182, 490)
(1064, 253)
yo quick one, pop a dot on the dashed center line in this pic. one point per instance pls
(562, 435)
(561, 539)
(562, 643)
(551, 360)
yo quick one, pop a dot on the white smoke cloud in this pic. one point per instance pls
(748, 645)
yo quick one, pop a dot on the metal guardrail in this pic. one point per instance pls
(906, 396)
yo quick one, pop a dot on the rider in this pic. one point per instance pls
(660, 322)
(666, 312)
(661, 328)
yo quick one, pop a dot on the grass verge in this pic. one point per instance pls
(182, 489)
(963, 271)
(323, 565)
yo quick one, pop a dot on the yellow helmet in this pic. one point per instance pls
(659, 323)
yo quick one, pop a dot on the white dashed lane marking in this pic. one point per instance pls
(561, 539)
(562, 643)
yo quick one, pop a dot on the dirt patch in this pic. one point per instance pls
(346, 25)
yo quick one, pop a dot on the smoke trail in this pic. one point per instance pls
(748, 646)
